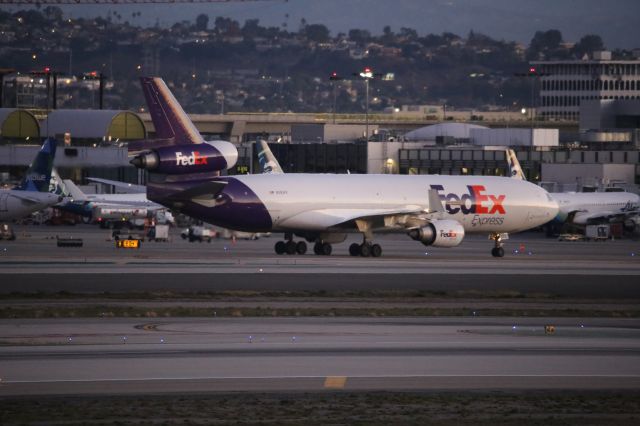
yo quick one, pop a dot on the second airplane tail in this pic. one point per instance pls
(38, 175)
(514, 165)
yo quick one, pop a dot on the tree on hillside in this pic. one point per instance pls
(251, 29)
(408, 34)
(588, 44)
(359, 36)
(316, 32)
(544, 42)
(202, 22)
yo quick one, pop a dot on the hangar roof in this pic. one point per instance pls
(95, 124)
(18, 123)
(429, 133)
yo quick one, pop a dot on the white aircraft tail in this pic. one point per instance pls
(267, 160)
(515, 171)
(74, 192)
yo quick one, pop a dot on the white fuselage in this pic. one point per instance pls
(15, 204)
(480, 203)
(593, 205)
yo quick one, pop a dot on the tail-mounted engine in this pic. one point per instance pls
(439, 233)
(191, 158)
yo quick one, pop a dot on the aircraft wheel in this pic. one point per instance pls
(301, 247)
(497, 252)
(354, 249)
(317, 247)
(326, 249)
(365, 250)
(376, 250)
(290, 247)
(280, 247)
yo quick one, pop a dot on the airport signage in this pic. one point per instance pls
(128, 244)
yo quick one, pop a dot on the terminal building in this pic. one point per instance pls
(564, 85)
(590, 155)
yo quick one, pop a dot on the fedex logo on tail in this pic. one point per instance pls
(189, 160)
(476, 201)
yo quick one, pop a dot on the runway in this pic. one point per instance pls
(106, 356)
(533, 264)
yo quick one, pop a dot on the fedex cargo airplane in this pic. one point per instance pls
(322, 208)
(32, 193)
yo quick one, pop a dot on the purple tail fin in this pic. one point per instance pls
(169, 119)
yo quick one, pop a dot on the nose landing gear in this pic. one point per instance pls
(497, 238)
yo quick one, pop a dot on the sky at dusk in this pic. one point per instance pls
(514, 20)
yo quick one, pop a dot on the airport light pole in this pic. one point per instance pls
(533, 73)
(3, 73)
(366, 74)
(95, 75)
(48, 74)
(334, 78)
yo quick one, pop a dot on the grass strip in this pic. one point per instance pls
(107, 311)
(549, 408)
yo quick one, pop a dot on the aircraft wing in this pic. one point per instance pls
(128, 187)
(329, 218)
(36, 197)
(148, 205)
(406, 216)
(583, 219)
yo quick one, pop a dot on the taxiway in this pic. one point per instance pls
(98, 356)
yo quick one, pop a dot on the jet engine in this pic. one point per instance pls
(191, 158)
(439, 233)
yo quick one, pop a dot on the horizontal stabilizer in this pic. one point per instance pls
(136, 147)
(130, 188)
(211, 188)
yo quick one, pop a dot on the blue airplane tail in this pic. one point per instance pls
(38, 175)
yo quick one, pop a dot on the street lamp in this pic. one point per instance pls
(366, 74)
(533, 73)
(48, 74)
(95, 75)
(334, 78)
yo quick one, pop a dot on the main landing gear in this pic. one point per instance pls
(497, 251)
(322, 249)
(365, 249)
(290, 246)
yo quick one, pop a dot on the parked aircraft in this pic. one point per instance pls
(583, 208)
(323, 208)
(86, 204)
(32, 193)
